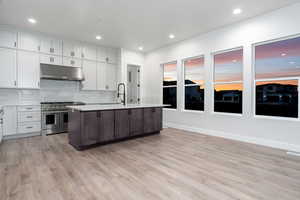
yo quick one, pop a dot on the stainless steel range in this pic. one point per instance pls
(55, 116)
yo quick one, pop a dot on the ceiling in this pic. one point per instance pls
(130, 23)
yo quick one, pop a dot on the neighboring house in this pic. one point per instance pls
(276, 94)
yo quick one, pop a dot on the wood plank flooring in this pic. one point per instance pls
(174, 165)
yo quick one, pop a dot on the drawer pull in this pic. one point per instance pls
(29, 127)
(28, 108)
(29, 117)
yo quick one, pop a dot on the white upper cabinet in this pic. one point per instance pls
(50, 59)
(51, 46)
(28, 41)
(72, 49)
(111, 74)
(8, 38)
(72, 62)
(28, 70)
(8, 68)
(90, 75)
(112, 55)
(101, 54)
(101, 76)
(106, 76)
(89, 52)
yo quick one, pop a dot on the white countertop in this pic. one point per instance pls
(113, 107)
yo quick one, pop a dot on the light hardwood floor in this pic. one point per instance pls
(173, 165)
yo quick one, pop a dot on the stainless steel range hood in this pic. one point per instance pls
(58, 72)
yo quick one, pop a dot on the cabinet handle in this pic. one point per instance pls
(28, 108)
(51, 59)
(15, 83)
(29, 117)
(72, 62)
(39, 48)
(29, 127)
(82, 55)
(107, 87)
(51, 50)
(98, 114)
(107, 59)
(15, 44)
(72, 53)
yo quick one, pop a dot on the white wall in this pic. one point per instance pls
(281, 133)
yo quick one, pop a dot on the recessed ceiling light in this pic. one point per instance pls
(237, 11)
(141, 48)
(98, 37)
(234, 61)
(32, 20)
(171, 36)
(283, 54)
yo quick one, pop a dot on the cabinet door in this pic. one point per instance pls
(89, 52)
(121, 124)
(112, 55)
(8, 68)
(50, 59)
(72, 62)
(157, 117)
(51, 46)
(8, 38)
(152, 120)
(29, 41)
(72, 49)
(89, 128)
(111, 74)
(90, 75)
(101, 54)
(107, 125)
(136, 122)
(28, 70)
(10, 120)
(101, 76)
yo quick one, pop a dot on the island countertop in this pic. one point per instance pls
(86, 108)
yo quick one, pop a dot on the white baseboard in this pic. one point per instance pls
(18, 136)
(259, 141)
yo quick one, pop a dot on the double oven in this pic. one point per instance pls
(55, 116)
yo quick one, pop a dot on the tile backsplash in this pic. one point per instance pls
(52, 90)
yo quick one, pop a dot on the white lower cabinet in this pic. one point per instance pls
(10, 121)
(90, 75)
(18, 120)
(8, 68)
(28, 70)
(29, 119)
(72, 62)
(50, 59)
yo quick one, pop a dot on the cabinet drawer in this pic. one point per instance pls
(49, 59)
(29, 127)
(28, 108)
(29, 117)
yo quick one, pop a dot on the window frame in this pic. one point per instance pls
(183, 109)
(227, 82)
(170, 86)
(254, 80)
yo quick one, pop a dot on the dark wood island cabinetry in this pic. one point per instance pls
(93, 127)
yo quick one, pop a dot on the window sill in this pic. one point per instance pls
(193, 111)
(170, 109)
(228, 114)
(276, 118)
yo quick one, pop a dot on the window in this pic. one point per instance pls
(277, 72)
(170, 84)
(194, 84)
(228, 84)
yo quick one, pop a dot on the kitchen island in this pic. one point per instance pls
(92, 125)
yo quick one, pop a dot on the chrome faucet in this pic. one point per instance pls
(123, 101)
